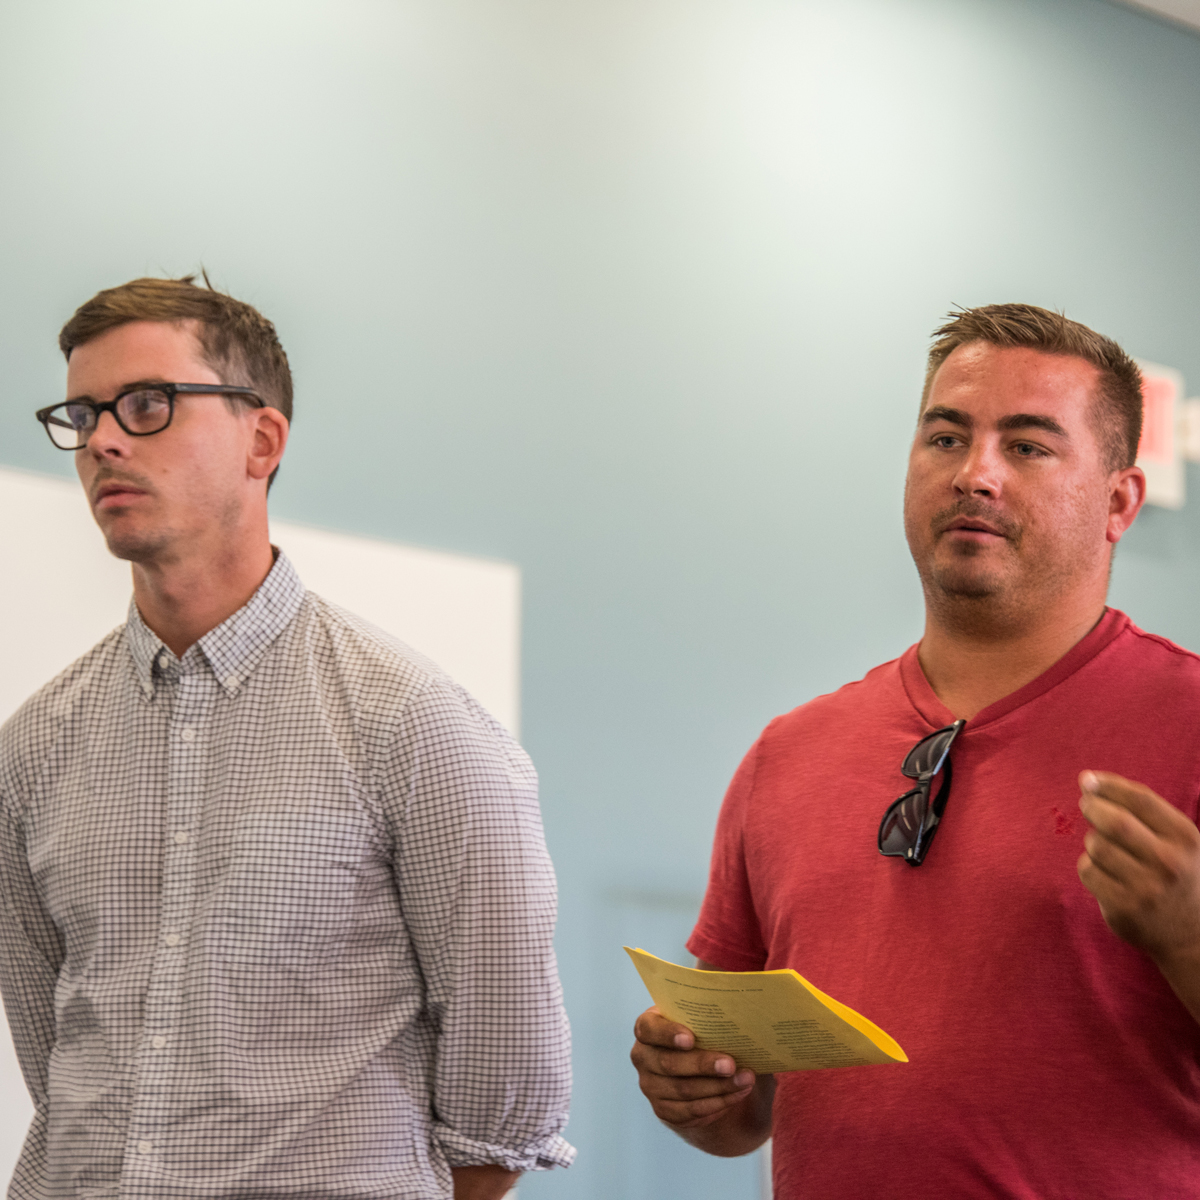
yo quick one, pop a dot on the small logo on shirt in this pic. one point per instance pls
(1066, 826)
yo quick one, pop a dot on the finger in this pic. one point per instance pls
(1128, 907)
(1115, 860)
(1118, 825)
(693, 1088)
(1145, 804)
(1118, 908)
(708, 1064)
(1107, 889)
(1120, 899)
(654, 1029)
(687, 1114)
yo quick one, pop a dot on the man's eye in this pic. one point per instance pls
(139, 404)
(947, 441)
(1026, 449)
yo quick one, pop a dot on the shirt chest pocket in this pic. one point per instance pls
(286, 892)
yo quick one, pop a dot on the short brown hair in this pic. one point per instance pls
(1118, 409)
(236, 341)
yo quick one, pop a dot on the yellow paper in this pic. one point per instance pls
(767, 1021)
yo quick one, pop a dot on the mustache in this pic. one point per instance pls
(107, 475)
(971, 508)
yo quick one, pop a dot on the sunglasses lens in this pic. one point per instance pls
(902, 822)
(926, 756)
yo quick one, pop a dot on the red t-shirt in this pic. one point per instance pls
(1048, 1058)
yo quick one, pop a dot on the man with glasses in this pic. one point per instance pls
(275, 905)
(974, 918)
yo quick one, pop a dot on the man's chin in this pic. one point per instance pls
(131, 546)
(962, 584)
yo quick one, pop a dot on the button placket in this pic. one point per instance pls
(187, 776)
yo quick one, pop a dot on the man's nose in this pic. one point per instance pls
(108, 439)
(981, 472)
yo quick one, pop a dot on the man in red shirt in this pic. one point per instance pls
(1048, 1057)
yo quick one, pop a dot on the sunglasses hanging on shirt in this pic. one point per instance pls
(908, 826)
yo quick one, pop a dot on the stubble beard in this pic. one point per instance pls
(996, 602)
(963, 577)
(128, 544)
(970, 601)
(138, 547)
(973, 589)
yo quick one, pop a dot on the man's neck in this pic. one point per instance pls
(185, 597)
(971, 664)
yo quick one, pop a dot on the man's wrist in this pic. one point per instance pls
(1180, 967)
(490, 1182)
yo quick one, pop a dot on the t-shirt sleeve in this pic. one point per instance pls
(728, 933)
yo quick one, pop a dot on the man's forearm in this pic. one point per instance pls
(742, 1129)
(482, 1183)
(1182, 972)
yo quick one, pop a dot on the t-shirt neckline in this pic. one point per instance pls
(925, 701)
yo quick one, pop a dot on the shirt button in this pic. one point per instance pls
(172, 939)
(158, 1041)
(232, 681)
(188, 733)
(181, 837)
(145, 1147)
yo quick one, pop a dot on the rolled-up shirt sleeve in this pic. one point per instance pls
(478, 895)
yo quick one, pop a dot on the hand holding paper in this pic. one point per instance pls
(701, 1094)
(767, 1021)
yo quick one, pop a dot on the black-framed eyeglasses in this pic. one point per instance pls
(140, 410)
(908, 826)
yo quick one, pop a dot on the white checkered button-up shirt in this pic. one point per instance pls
(275, 920)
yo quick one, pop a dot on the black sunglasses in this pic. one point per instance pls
(909, 824)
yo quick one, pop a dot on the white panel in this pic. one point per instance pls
(464, 613)
(61, 592)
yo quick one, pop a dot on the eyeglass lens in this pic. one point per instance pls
(140, 412)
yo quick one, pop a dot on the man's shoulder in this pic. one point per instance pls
(1153, 646)
(362, 650)
(34, 726)
(1148, 664)
(91, 670)
(378, 674)
(860, 704)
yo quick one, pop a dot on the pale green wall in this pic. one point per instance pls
(634, 293)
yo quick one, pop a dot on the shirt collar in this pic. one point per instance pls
(233, 649)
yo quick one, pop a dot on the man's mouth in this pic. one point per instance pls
(973, 525)
(967, 526)
(113, 494)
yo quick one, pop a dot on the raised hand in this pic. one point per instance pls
(1141, 861)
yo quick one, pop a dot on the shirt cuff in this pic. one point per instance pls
(460, 1151)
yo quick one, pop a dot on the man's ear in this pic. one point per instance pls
(1125, 500)
(268, 443)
